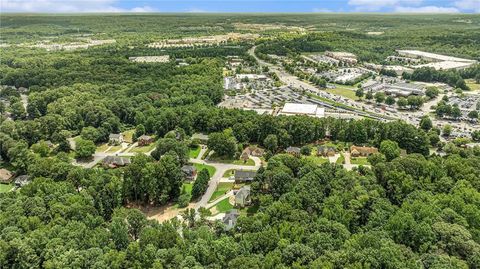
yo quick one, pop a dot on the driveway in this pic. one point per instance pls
(221, 168)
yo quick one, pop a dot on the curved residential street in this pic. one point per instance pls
(221, 168)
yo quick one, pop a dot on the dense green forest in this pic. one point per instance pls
(411, 211)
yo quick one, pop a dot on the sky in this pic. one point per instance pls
(399, 6)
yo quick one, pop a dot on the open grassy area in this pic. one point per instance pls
(5, 187)
(317, 160)
(114, 149)
(211, 169)
(193, 152)
(102, 147)
(472, 85)
(127, 135)
(359, 161)
(223, 206)
(340, 159)
(187, 187)
(222, 188)
(144, 149)
(345, 91)
(229, 173)
(217, 159)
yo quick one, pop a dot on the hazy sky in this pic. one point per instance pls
(429, 6)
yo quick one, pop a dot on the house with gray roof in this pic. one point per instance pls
(242, 197)
(230, 219)
(242, 176)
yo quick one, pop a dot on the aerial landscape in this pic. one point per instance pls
(239, 140)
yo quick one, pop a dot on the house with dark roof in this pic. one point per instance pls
(189, 171)
(115, 161)
(230, 219)
(326, 151)
(242, 176)
(144, 140)
(295, 151)
(242, 197)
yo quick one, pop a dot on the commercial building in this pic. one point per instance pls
(405, 89)
(438, 61)
(291, 109)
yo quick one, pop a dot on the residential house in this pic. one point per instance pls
(326, 151)
(21, 181)
(189, 171)
(115, 139)
(254, 151)
(242, 176)
(357, 151)
(230, 219)
(144, 140)
(5, 176)
(295, 151)
(242, 197)
(244, 157)
(202, 138)
(115, 161)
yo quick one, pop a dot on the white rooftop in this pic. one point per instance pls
(438, 57)
(445, 65)
(303, 109)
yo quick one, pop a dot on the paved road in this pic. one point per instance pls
(221, 168)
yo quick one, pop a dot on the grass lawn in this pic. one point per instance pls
(359, 161)
(344, 91)
(187, 187)
(223, 206)
(472, 85)
(222, 188)
(229, 173)
(317, 160)
(144, 149)
(77, 138)
(102, 147)
(211, 169)
(193, 153)
(5, 187)
(214, 158)
(127, 135)
(340, 159)
(114, 149)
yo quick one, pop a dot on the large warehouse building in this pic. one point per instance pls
(312, 110)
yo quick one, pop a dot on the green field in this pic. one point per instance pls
(127, 136)
(144, 149)
(472, 85)
(5, 187)
(211, 169)
(317, 160)
(344, 91)
(359, 161)
(216, 159)
(193, 153)
(222, 188)
(223, 206)
(340, 159)
(229, 173)
(187, 187)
